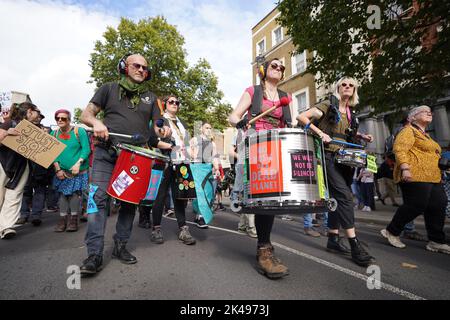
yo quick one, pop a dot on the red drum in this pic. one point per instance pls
(131, 175)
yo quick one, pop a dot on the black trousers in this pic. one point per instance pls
(168, 181)
(424, 198)
(263, 225)
(339, 183)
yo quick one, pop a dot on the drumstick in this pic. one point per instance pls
(347, 144)
(135, 137)
(284, 101)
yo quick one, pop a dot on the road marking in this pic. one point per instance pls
(331, 265)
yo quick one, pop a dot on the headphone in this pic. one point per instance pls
(262, 70)
(122, 67)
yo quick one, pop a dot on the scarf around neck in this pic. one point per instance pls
(132, 90)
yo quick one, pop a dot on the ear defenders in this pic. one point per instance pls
(262, 70)
(122, 67)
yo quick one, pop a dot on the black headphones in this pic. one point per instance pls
(122, 67)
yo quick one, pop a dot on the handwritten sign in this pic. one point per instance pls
(266, 175)
(34, 144)
(5, 100)
(372, 163)
(302, 164)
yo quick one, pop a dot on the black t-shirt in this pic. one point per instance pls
(121, 117)
(12, 163)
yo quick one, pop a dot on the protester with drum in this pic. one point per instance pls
(128, 106)
(336, 121)
(176, 176)
(264, 97)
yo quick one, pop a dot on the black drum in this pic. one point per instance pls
(184, 182)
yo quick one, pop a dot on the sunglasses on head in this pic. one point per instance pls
(347, 85)
(174, 102)
(137, 66)
(61, 119)
(276, 66)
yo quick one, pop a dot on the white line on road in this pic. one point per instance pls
(331, 265)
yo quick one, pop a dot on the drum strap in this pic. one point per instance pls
(257, 102)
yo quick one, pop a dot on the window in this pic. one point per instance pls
(277, 36)
(301, 100)
(261, 47)
(299, 62)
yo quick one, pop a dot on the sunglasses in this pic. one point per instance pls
(138, 66)
(347, 85)
(276, 66)
(174, 102)
(61, 119)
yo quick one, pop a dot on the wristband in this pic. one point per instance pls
(308, 126)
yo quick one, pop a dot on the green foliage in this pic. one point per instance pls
(162, 46)
(403, 73)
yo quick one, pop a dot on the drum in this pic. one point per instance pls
(131, 176)
(351, 157)
(283, 173)
(184, 181)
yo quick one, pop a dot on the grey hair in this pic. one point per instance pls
(414, 111)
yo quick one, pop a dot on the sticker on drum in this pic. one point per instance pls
(192, 185)
(181, 186)
(134, 170)
(122, 183)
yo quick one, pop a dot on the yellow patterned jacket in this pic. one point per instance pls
(421, 152)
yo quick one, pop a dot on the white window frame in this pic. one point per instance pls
(273, 36)
(265, 46)
(294, 63)
(295, 100)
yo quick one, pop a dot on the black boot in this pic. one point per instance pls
(91, 265)
(335, 244)
(359, 255)
(121, 253)
(144, 217)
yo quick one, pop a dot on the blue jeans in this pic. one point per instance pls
(307, 220)
(34, 197)
(102, 169)
(238, 186)
(356, 190)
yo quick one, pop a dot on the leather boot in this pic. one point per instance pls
(91, 265)
(268, 265)
(73, 224)
(120, 252)
(359, 255)
(335, 244)
(62, 223)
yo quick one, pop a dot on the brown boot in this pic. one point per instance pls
(73, 224)
(268, 265)
(62, 223)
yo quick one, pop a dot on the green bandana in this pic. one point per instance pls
(132, 90)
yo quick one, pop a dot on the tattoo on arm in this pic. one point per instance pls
(93, 108)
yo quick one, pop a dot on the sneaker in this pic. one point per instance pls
(286, 217)
(251, 232)
(52, 209)
(169, 212)
(157, 236)
(221, 207)
(8, 234)
(414, 235)
(242, 229)
(185, 236)
(438, 247)
(311, 232)
(366, 208)
(393, 240)
(21, 221)
(200, 222)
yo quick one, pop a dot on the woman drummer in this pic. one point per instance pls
(270, 73)
(337, 121)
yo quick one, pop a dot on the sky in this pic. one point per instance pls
(46, 45)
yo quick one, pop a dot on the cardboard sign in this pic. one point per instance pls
(5, 100)
(372, 163)
(34, 144)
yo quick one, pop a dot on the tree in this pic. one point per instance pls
(162, 45)
(397, 58)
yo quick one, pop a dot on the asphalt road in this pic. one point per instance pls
(220, 266)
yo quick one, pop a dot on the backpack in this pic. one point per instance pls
(389, 143)
(75, 130)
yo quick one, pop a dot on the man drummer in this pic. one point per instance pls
(128, 106)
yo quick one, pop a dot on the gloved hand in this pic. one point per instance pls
(242, 124)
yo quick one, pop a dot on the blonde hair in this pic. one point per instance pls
(354, 99)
